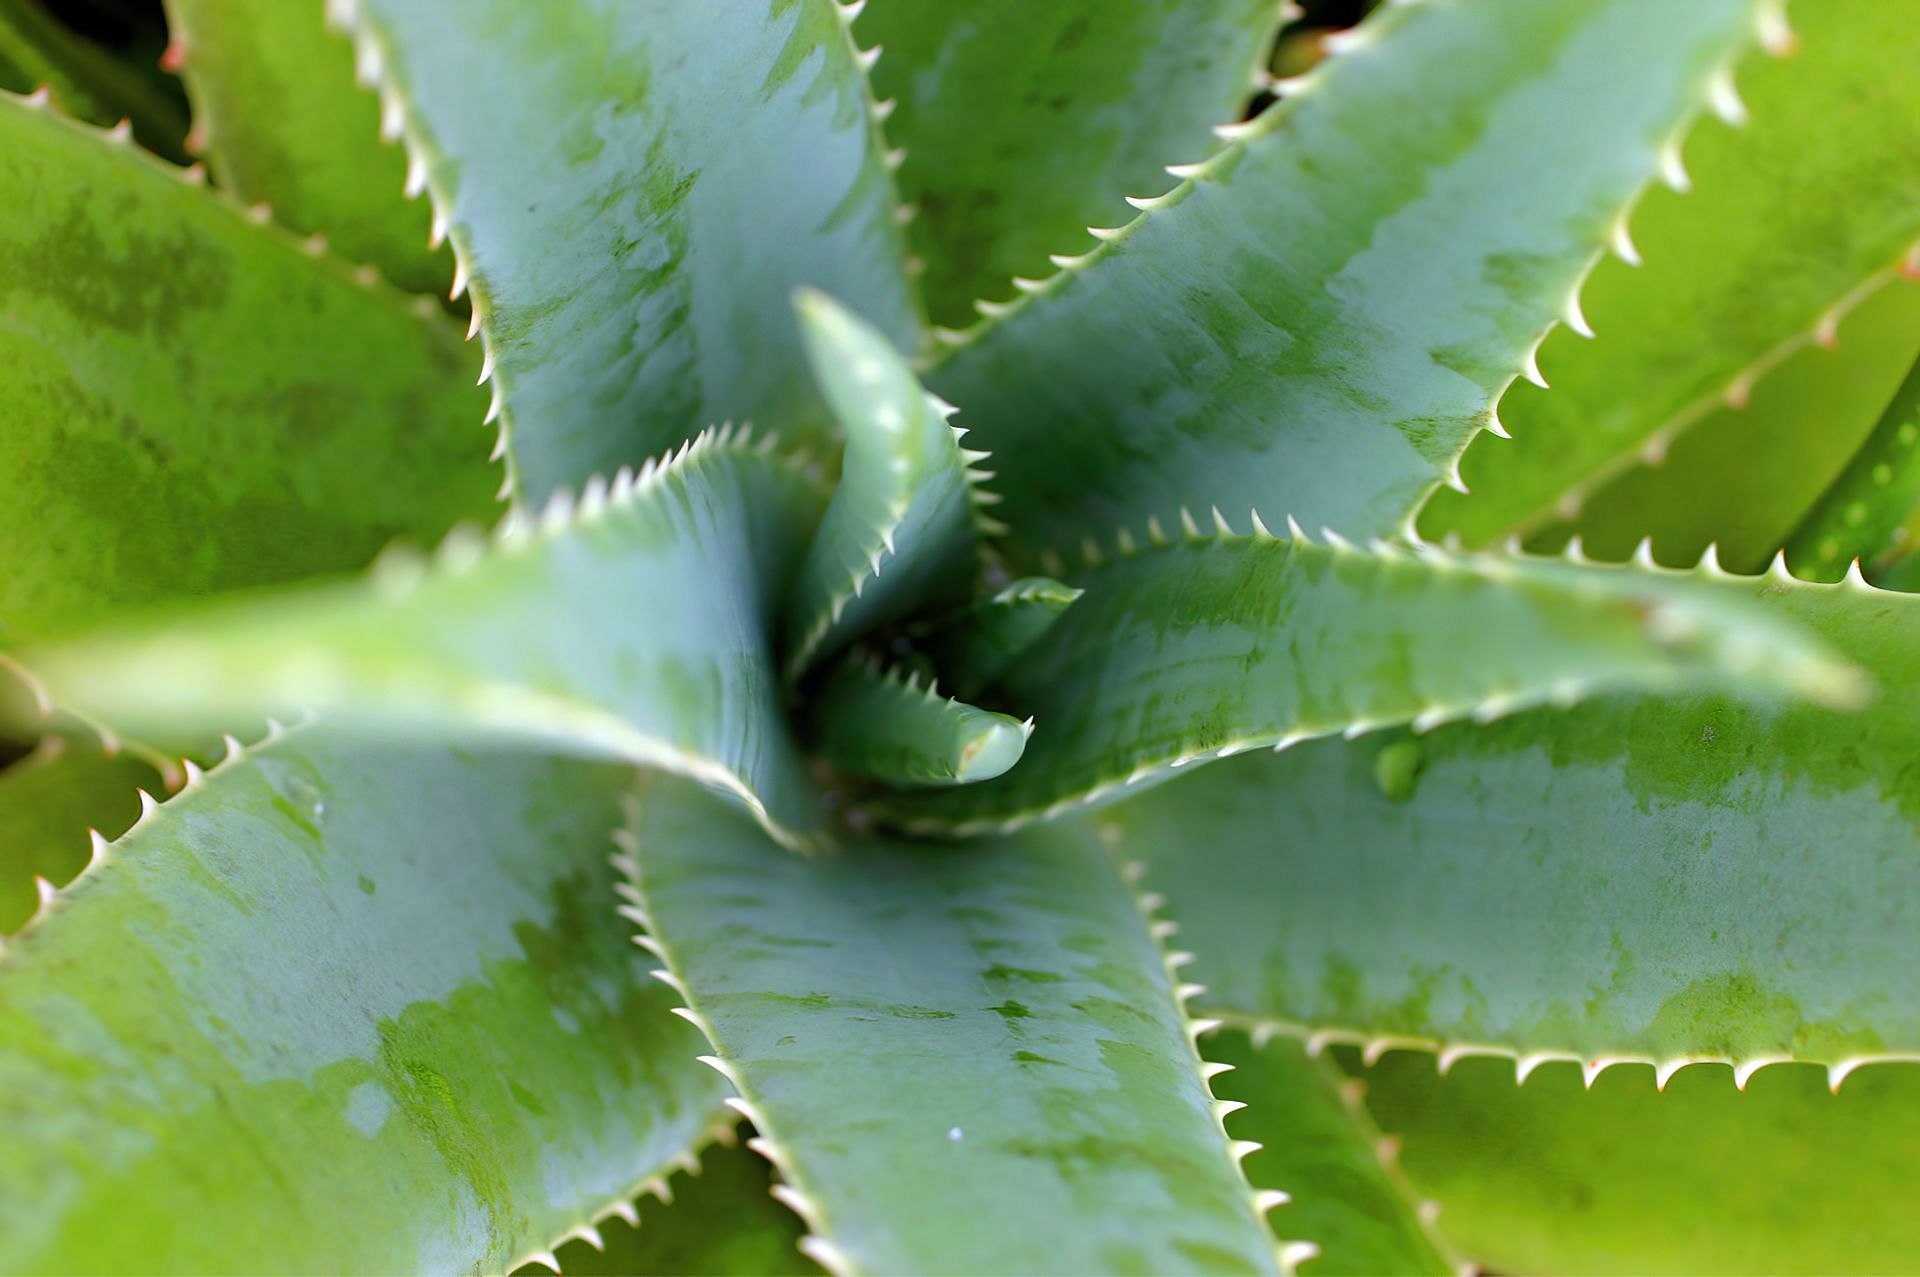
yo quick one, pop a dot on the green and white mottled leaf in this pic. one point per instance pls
(85, 79)
(872, 721)
(1657, 878)
(1783, 1178)
(338, 1008)
(1194, 650)
(633, 627)
(1869, 512)
(719, 1221)
(280, 120)
(1319, 1148)
(48, 802)
(1025, 123)
(633, 189)
(932, 1038)
(192, 403)
(973, 649)
(1316, 320)
(1792, 221)
(901, 529)
(1741, 479)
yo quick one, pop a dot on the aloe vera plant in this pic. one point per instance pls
(552, 644)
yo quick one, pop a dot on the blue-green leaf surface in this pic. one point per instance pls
(632, 625)
(962, 1060)
(1191, 650)
(871, 720)
(1318, 319)
(971, 650)
(633, 189)
(338, 1008)
(1659, 878)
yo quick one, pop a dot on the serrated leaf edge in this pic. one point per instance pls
(1289, 1254)
(790, 1190)
(1841, 682)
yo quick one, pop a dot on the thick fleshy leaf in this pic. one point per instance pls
(1870, 512)
(928, 1038)
(1025, 123)
(48, 802)
(1318, 319)
(338, 1009)
(194, 404)
(1320, 1148)
(1656, 878)
(1793, 220)
(1783, 1178)
(901, 529)
(87, 80)
(871, 720)
(1202, 648)
(719, 1220)
(280, 121)
(971, 651)
(1741, 479)
(635, 627)
(633, 190)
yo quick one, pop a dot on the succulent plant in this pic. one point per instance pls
(1075, 761)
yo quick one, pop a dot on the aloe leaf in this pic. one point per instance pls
(1544, 1177)
(1869, 512)
(901, 529)
(927, 1038)
(632, 214)
(37, 50)
(1321, 1149)
(48, 802)
(1741, 479)
(1792, 221)
(1652, 878)
(1200, 648)
(390, 978)
(872, 721)
(1025, 123)
(718, 1220)
(533, 638)
(279, 119)
(974, 649)
(195, 404)
(1249, 340)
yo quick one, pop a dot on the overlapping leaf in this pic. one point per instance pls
(83, 78)
(338, 1008)
(1188, 651)
(1868, 512)
(871, 720)
(1544, 1177)
(973, 649)
(1318, 319)
(1025, 123)
(280, 120)
(1795, 219)
(930, 1038)
(632, 216)
(901, 528)
(48, 801)
(634, 627)
(191, 402)
(1742, 479)
(1659, 878)
(1320, 1148)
